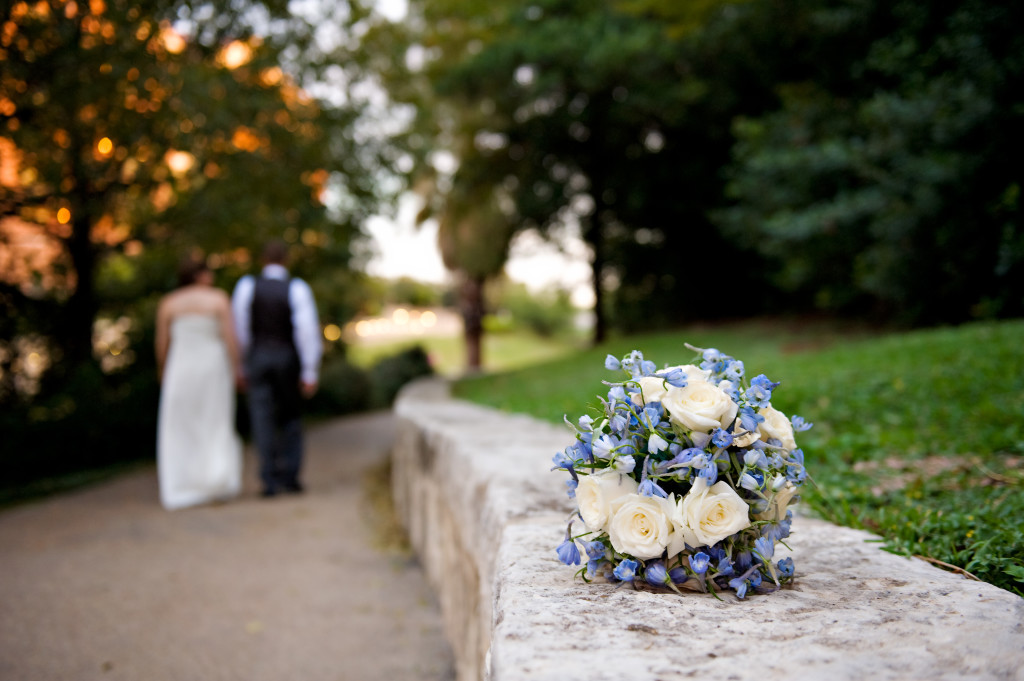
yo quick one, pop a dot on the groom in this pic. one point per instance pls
(279, 336)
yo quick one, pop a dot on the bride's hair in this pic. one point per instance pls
(190, 268)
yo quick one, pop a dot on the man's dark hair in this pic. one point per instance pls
(275, 252)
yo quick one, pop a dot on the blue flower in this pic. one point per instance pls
(739, 585)
(618, 422)
(656, 574)
(711, 355)
(734, 371)
(568, 552)
(678, 575)
(572, 485)
(709, 473)
(755, 458)
(563, 460)
(749, 419)
(699, 562)
(649, 488)
(748, 481)
(617, 394)
(799, 425)
(611, 363)
(626, 570)
(765, 548)
(675, 377)
(724, 565)
(721, 438)
(647, 368)
(586, 423)
(595, 550)
(786, 568)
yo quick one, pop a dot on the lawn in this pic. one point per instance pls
(501, 351)
(918, 436)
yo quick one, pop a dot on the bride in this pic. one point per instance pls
(199, 454)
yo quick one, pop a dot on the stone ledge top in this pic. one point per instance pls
(854, 612)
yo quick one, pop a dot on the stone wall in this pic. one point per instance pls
(484, 512)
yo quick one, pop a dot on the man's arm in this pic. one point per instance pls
(241, 310)
(307, 335)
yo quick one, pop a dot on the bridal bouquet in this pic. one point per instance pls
(684, 479)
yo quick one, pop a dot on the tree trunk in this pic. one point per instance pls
(472, 305)
(80, 313)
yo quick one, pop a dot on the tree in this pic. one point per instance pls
(130, 134)
(130, 140)
(893, 189)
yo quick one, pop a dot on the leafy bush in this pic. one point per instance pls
(391, 373)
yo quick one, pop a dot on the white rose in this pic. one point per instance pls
(597, 491)
(652, 388)
(700, 406)
(780, 503)
(708, 515)
(776, 425)
(640, 525)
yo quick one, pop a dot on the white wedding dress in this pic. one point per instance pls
(199, 454)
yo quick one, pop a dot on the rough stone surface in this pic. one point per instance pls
(484, 511)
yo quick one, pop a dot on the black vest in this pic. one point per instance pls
(271, 314)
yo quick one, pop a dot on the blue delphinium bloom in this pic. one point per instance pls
(595, 550)
(721, 438)
(786, 567)
(611, 363)
(799, 425)
(618, 422)
(675, 377)
(724, 565)
(699, 562)
(778, 530)
(617, 394)
(739, 585)
(734, 371)
(709, 473)
(748, 481)
(563, 460)
(765, 548)
(626, 570)
(678, 575)
(571, 486)
(749, 419)
(586, 423)
(649, 488)
(760, 391)
(568, 552)
(655, 574)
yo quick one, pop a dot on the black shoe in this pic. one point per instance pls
(294, 488)
(268, 492)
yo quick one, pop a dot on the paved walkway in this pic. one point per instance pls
(103, 583)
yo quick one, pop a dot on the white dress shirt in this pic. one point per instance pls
(305, 320)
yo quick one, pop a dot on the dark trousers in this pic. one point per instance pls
(275, 415)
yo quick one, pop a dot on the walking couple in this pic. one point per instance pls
(263, 340)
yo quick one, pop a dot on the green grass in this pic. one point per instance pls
(501, 351)
(918, 437)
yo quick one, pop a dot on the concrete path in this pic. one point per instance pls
(104, 584)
